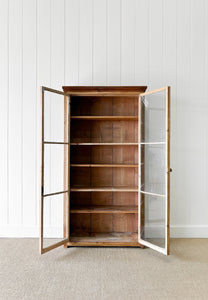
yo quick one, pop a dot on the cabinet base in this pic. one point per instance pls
(115, 239)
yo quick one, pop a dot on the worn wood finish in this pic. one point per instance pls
(102, 118)
(152, 92)
(44, 88)
(56, 245)
(116, 239)
(104, 90)
(56, 143)
(104, 189)
(105, 209)
(141, 177)
(104, 144)
(104, 199)
(102, 154)
(66, 216)
(106, 107)
(104, 166)
(107, 155)
(41, 172)
(103, 132)
(56, 193)
(102, 222)
(66, 174)
(68, 165)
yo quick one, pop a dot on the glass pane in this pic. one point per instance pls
(53, 215)
(153, 117)
(53, 117)
(153, 168)
(153, 209)
(54, 168)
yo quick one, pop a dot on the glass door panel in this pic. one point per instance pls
(154, 161)
(153, 168)
(153, 228)
(55, 177)
(153, 108)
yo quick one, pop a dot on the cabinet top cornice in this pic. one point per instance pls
(104, 90)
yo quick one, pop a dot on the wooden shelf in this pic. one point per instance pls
(104, 165)
(106, 118)
(107, 209)
(129, 239)
(104, 144)
(104, 189)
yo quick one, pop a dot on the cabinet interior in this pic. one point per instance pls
(104, 169)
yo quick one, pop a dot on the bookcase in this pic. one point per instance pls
(116, 165)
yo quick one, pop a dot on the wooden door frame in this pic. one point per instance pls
(66, 174)
(165, 250)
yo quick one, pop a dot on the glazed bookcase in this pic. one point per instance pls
(116, 165)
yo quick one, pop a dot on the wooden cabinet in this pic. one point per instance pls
(116, 167)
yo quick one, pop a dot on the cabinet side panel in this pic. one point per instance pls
(66, 166)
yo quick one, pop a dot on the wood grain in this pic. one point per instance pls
(104, 189)
(116, 239)
(66, 216)
(104, 144)
(104, 90)
(104, 209)
(104, 163)
(41, 172)
(101, 155)
(103, 118)
(103, 166)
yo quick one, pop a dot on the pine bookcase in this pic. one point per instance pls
(108, 186)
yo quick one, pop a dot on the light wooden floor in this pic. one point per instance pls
(103, 273)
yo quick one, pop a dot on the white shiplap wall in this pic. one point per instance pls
(103, 42)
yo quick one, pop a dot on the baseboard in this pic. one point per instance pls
(28, 232)
(189, 231)
(18, 231)
(176, 231)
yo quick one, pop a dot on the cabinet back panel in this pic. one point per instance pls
(80, 177)
(104, 106)
(107, 198)
(123, 106)
(80, 198)
(80, 223)
(85, 131)
(103, 177)
(104, 155)
(80, 154)
(125, 223)
(100, 223)
(129, 199)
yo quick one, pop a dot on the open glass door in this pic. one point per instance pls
(154, 169)
(55, 170)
